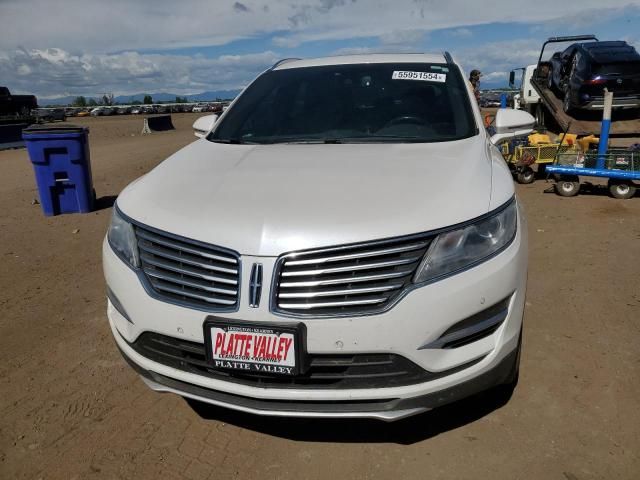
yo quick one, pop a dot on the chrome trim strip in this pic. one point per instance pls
(496, 319)
(118, 305)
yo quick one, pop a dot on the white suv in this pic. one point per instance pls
(343, 242)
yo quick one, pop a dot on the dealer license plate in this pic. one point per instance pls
(252, 348)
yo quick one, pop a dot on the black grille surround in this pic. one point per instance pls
(187, 272)
(378, 370)
(359, 279)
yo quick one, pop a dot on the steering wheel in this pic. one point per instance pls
(405, 119)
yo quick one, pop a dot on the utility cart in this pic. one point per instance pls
(521, 158)
(620, 167)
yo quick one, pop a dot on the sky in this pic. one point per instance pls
(91, 47)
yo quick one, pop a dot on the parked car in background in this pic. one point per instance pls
(83, 113)
(199, 108)
(581, 72)
(344, 242)
(50, 114)
(123, 110)
(97, 111)
(70, 112)
(148, 109)
(137, 110)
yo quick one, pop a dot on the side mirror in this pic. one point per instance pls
(203, 125)
(512, 78)
(512, 123)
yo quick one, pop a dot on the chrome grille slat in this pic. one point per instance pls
(346, 303)
(182, 291)
(162, 252)
(364, 266)
(350, 279)
(347, 280)
(189, 283)
(373, 253)
(188, 272)
(152, 237)
(347, 291)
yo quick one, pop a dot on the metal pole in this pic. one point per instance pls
(604, 129)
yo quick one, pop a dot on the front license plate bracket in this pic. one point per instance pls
(255, 348)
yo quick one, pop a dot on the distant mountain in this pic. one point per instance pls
(157, 97)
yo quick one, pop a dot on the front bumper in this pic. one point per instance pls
(597, 103)
(417, 320)
(383, 409)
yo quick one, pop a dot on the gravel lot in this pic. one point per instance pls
(71, 408)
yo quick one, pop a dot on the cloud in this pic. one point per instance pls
(460, 33)
(402, 37)
(240, 7)
(53, 71)
(79, 45)
(106, 27)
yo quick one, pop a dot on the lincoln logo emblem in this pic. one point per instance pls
(255, 285)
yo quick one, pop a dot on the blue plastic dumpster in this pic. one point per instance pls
(60, 158)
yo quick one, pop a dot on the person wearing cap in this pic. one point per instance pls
(474, 80)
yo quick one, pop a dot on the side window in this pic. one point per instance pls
(581, 64)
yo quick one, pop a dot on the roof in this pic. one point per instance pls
(608, 52)
(368, 58)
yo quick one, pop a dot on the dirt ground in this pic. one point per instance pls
(70, 408)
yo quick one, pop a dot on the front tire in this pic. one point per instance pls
(526, 176)
(567, 186)
(621, 189)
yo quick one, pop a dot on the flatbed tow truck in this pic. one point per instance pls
(546, 107)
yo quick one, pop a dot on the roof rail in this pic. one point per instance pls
(284, 60)
(447, 57)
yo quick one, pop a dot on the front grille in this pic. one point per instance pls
(348, 280)
(184, 271)
(324, 371)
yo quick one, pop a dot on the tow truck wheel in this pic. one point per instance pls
(621, 189)
(567, 186)
(526, 176)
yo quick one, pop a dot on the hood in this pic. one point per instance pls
(265, 200)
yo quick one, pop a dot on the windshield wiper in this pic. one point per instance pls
(233, 141)
(378, 138)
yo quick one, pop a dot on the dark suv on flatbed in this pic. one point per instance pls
(582, 71)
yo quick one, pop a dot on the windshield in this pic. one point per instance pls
(407, 102)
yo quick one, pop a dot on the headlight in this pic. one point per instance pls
(123, 239)
(458, 249)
